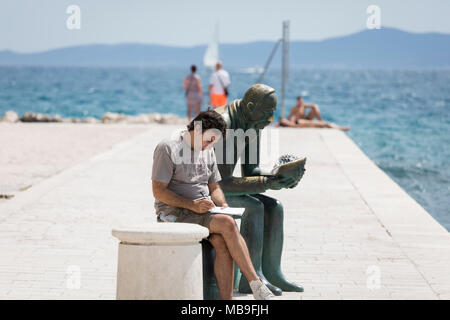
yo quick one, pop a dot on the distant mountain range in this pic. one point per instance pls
(383, 48)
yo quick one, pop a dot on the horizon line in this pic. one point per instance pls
(205, 44)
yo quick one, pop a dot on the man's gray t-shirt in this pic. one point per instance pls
(187, 178)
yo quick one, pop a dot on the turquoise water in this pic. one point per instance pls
(400, 119)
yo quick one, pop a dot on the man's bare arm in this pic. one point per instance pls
(310, 106)
(217, 195)
(292, 113)
(199, 86)
(162, 193)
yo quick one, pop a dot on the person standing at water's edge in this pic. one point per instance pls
(218, 86)
(192, 86)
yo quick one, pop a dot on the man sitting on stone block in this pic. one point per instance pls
(185, 184)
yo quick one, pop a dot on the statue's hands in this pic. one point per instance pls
(277, 183)
(301, 171)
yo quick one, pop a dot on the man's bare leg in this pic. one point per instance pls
(197, 109)
(225, 226)
(343, 128)
(334, 126)
(302, 123)
(223, 267)
(314, 113)
(189, 111)
(286, 123)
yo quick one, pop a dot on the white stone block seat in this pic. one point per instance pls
(160, 261)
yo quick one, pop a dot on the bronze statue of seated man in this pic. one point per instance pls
(262, 221)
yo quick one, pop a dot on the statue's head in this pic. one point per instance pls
(258, 106)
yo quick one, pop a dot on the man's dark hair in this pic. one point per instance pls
(299, 97)
(210, 120)
(193, 68)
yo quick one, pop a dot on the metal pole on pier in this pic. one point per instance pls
(261, 76)
(284, 64)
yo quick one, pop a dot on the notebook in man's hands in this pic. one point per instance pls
(229, 211)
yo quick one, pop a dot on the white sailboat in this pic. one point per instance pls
(212, 52)
(211, 56)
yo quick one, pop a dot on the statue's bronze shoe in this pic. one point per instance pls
(281, 282)
(289, 286)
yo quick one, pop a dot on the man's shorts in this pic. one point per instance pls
(186, 216)
(218, 100)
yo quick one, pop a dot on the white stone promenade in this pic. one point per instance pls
(350, 231)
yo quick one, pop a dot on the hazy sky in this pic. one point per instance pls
(36, 25)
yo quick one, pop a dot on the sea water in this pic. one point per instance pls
(400, 119)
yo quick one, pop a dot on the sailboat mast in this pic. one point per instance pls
(284, 64)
